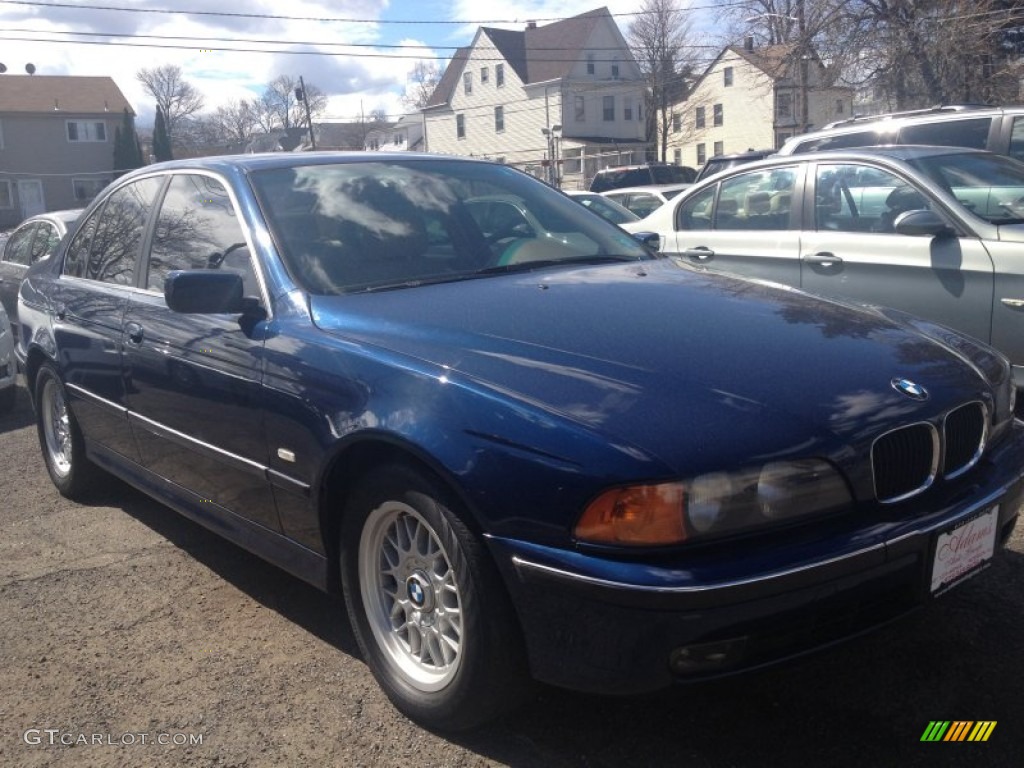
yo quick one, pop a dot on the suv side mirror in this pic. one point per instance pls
(922, 223)
(204, 292)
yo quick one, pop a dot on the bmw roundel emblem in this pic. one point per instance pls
(910, 389)
(416, 593)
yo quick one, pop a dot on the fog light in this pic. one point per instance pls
(707, 658)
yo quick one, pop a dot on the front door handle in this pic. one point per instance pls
(824, 259)
(1013, 303)
(134, 333)
(700, 253)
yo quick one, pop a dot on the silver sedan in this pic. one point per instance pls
(935, 231)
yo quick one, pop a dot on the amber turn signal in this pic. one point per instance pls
(638, 514)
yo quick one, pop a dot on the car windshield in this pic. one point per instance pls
(362, 226)
(989, 186)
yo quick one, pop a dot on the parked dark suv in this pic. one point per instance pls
(641, 176)
(997, 129)
(723, 162)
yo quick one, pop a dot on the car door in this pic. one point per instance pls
(850, 249)
(89, 299)
(745, 224)
(194, 381)
(17, 255)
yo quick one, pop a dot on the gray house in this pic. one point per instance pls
(56, 142)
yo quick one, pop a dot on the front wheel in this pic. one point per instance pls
(426, 604)
(60, 438)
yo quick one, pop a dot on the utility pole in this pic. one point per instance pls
(300, 94)
(802, 53)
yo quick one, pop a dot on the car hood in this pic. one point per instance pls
(691, 367)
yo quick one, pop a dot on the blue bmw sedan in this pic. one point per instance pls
(541, 453)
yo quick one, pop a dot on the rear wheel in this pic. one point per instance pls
(428, 609)
(60, 438)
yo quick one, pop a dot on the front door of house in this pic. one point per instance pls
(30, 193)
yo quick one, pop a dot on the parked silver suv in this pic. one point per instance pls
(997, 129)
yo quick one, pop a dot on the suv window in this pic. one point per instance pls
(1017, 139)
(616, 178)
(197, 229)
(971, 133)
(846, 141)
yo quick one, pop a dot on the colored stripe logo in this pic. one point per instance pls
(958, 730)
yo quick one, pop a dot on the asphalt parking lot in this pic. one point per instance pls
(131, 636)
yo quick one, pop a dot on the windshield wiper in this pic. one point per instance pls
(526, 266)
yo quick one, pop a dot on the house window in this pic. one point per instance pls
(839, 110)
(485, 75)
(399, 138)
(699, 120)
(6, 201)
(719, 118)
(702, 154)
(499, 75)
(499, 119)
(1, 134)
(627, 108)
(590, 63)
(783, 105)
(86, 189)
(609, 108)
(86, 130)
(467, 82)
(677, 122)
(677, 156)
(719, 148)
(615, 69)
(640, 111)
(727, 76)
(460, 126)
(580, 109)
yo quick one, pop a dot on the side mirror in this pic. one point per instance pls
(651, 239)
(204, 292)
(922, 223)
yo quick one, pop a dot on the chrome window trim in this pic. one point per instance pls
(983, 443)
(933, 473)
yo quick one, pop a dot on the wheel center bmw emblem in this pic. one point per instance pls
(910, 389)
(416, 593)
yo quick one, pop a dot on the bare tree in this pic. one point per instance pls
(176, 97)
(235, 122)
(659, 40)
(278, 107)
(422, 81)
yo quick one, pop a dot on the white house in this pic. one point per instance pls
(404, 136)
(752, 98)
(570, 92)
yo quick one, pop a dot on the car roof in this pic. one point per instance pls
(66, 217)
(648, 188)
(271, 160)
(899, 152)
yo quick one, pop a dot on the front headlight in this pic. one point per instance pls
(713, 505)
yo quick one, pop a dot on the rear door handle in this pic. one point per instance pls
(824, 259)
(700, 253)
(134, 333)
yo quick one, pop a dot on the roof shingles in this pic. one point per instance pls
(60, 93)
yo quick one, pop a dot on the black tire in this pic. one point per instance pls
(488, 673)
(8, 397)
(64, 449)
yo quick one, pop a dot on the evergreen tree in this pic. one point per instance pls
(161, 139)
(127, 153)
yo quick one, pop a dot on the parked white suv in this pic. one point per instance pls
(997, 129)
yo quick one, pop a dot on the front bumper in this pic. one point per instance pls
(629, 626)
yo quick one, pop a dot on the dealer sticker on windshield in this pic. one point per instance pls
(964, 550)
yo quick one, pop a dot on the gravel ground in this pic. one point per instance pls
(125, 624)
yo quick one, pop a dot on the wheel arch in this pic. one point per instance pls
(351, 461)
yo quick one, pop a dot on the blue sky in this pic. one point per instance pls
(358, 75)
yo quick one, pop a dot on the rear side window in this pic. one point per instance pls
(972, 133)
(1017, 139)
(759, 200)
(107, 246)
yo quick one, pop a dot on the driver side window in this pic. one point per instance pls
(197, 229)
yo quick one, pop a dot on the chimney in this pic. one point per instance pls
(531, 25)
(748, 45)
